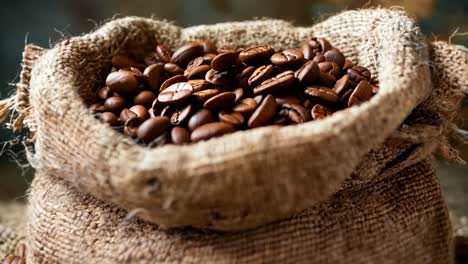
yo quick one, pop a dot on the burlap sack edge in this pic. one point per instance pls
(293, 199)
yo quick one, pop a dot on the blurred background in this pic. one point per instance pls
(44, 22)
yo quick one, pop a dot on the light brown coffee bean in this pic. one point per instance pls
(180, 135)
(176, 93)
(164, 53)
(140, 111)
(145, 98)
(322, 93)
(115, 104)
(173, 69)
(256, 55)
(203, 116)
(362, 93)
(234, 118)
(221, 101)
(152, 128)
(260, 74)
(199, 84)
(109, 118)
(308, 73)
(278, 83)
(288, 57)
(320, 111)
(264, 114)
(203, 95)
(211, 130)
(246, 107)
(224, 61)
(122, 82)
(171, 81)
(181, 116)
(155, 75)
(239, 94)
(186, 53)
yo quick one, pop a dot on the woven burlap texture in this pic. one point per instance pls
(400, 218)
(269, 173)
(12, 226)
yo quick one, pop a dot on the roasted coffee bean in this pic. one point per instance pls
(171, 81)
(239, 94)
(220, 101)
(164, 53)
(355, 76)
(199, 84)
(126, 114)
(223, 78)
(208, 46)
(104, 93)
(287, 99)
(260, 74)
(208, 58)
(341, 86)
(176, 93)
(322, 93)
(320, 111)
(264, 114)
(326, 79)
(195, 63)
(180, 135)
(181, 116)
(295, 113)
(287, 57)
(173, 69)
(140, 111)
(122, 82)
(155, 75)
(278, 83)
(256, 55)
(145, 98)
(362, 93)
(123, 61)
(203, 116)
(234, 118)
(203, 95)
(97, 108)
(152, 128)
(363, 71)
(308, 73)
(163, 139)
(334, 55)
(345, 97)
(197, 72)
(115, 104)
(319, 58)
(307, 51)
(224, 61)
(245, 87)
(187, 52)
(246, 106)
(320, 45)
(347, 65)
(211, 130)
(108, 118)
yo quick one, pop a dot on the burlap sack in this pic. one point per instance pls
(12, 227)
(366, 179)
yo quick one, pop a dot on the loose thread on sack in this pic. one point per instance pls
(6, 106)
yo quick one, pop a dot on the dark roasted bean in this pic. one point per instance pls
(176, 93)
(109, 118)
(278, 83)
(164, 53)
(203, 95)
(224, 61)
(145, 98)
(264, 114)
(186, 53)
(220, 101)
(155, 75)
(181, 116)
(321, 93)
(203, 116)
(295, 113)
(211, 130)
(256, 55)
(173, 69)
(171, 81)
(334, 55)
(260, 74)
(287, 57)
(180, 135)
(362, 93)
(308, 73)
(234, 118)
(320, 111)
(122, 82)
(115, 104)
(152, 128)
(246, 106)
(104, 93)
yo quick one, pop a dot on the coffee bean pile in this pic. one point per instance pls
(200, 91)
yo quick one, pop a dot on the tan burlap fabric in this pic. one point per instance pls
(366, 179)
(12, 226)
